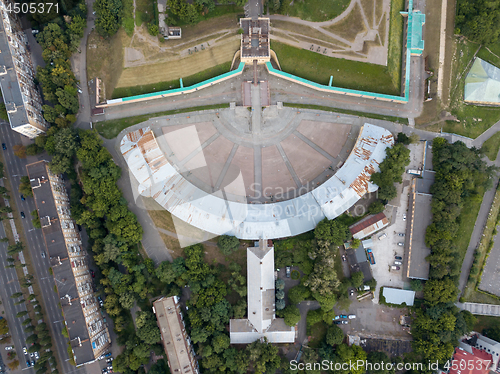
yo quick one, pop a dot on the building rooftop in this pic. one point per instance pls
(176, 344)
(461, 358)
(159, 179)
(62, 266)
(397, 296)
(368, 226)
(482, 84)
(255, 38)
(261, 321)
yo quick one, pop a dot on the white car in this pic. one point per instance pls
(9, 348)
(351, 316)
(398, 263)
(25, 351)
(37, 356)
(404, 217)
(382, 236)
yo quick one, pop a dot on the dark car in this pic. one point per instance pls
(336, 322)
(92, 272)
(4, 147)
(22, 215)
(23, 198)
(398, 257)
(28, 364)
(288, 271)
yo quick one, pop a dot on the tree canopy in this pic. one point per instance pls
(478, 20)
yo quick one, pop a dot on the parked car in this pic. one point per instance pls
(108, 354)
(352, 316)
(404, 217)
(344, 322)
(343, 316)
(104, 370)
(398, 263)
(32, 363)
(25, 351)
(109, 360)
(398, 257)
(28, 364)
(92, 273)
(4, 147)
(394, 267)
(23, 215)
(382, 236)
(32, 355)
(351, 292)
(344, 258)
(23, 198)
(288, 271)
(37, 356)
(401, 234)
(401, 244)
(337, 322)
(336, 318)
(9, 348)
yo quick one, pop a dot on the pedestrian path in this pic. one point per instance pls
(480, 309)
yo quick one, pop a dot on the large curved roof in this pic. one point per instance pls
(160, 180)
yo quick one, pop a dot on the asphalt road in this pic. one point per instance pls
(9, 284)
(15, 168)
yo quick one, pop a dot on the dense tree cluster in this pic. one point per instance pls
(391, 171)
(108, 17)
(57, 79)
(190, 12)
(479, 20)
(460, 175)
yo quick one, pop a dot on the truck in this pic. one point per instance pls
(370, 256)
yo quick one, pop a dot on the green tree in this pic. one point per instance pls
(4, 328)
(3, 112)
(147, 329)
(16, 295)
(67, 100)
(334, 335)
(108, 16)
(25, 186)
(21, 314)
(440, 291)
(416, 285)
(376, 207)
(291, 315)
(478, 20)
(357, 279)
(298, 293)
(31, 339)
(228, 244)
(264, 357)
(332, 231)
(220, 343)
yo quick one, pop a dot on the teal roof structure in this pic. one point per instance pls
(416, 21)
(482, 84)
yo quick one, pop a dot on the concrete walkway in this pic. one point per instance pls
(480, 309)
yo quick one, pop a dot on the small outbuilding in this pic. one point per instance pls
(398, 296)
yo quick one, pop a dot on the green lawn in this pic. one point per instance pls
(145, 12)
(317, 10)
(346, 74)
(492, 146)
(318, 333)
(219, 10)
(395, 50)
(467, 220)
(484, 322)
(110, 129)
(128, 17)
(346, 111)
(162, 86)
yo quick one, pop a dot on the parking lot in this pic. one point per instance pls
(386, 249)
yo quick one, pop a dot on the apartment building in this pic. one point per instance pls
(176, 342)
(88, 333)
(22, 98)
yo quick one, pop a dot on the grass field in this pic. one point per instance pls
(306, 31)
(395, 49)
(166, 71)
(145, 12)
(110, 129)
(492, 146)
(317, 10)
(161, 86)
(128, 17)
(489, 55)
(346, 74)
(105, 58)
(467, 220)
(220, 10)
(484, 322)
(350, 26)
(345, 111)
